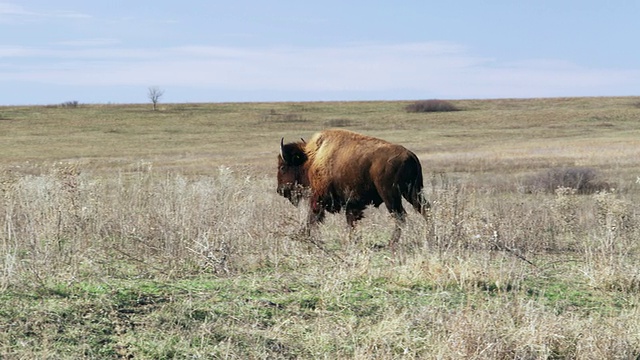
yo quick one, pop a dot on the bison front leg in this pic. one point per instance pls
(316, 212)
(354, 214)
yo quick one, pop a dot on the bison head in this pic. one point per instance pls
(291, 171)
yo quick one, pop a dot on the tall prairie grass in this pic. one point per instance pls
(495, 274)
(66, 223)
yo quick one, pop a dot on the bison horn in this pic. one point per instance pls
(282, 149)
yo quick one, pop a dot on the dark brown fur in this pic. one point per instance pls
(340, 169)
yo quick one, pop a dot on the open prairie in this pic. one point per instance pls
(132, 233)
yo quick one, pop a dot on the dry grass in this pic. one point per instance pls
(172, 243)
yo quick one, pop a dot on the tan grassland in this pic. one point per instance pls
(138, 234)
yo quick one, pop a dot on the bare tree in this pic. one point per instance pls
(154, 94)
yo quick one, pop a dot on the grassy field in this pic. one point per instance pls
(131, 233)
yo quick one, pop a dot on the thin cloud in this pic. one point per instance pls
(446, 69)
(320, 68)
(13, 12)
(88, 42)
(7, 9)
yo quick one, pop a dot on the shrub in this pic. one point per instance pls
(70, 104)
(340, 122)
(582, 179)
(431, 106)
(274, 116)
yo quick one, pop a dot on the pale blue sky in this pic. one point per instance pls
(250, 50)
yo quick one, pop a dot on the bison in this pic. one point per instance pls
(340, 169)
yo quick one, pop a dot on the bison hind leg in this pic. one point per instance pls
(399, 215)
(397, 230)
(393, 202)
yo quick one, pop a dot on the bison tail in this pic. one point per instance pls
(416, 197)
(414, 193)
